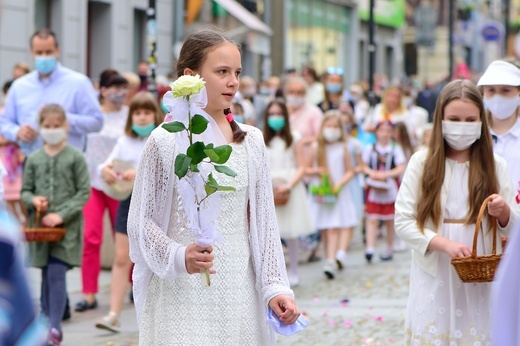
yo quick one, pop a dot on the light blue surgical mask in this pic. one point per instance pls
(143, 131)
(276, 123)
(239, 118)
(333, 88)
(45, 64)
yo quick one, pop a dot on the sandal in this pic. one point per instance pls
(84, 305)
(110, 322)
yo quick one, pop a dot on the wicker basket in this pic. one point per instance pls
(479, 268)
(280, 198)
(43, 234)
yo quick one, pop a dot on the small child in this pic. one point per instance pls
(337, 219)
(287, 166)
(56, 182)
(384, 162)
(144, 115)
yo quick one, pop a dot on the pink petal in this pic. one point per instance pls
(315, 299)
(378, 318)
(332, 323)
(347, 324)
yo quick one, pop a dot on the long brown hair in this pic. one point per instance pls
(194, 52)
(482, 173)
(322, 143)
(403, 138)
(285, 132)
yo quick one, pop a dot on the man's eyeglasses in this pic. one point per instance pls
(335, 70)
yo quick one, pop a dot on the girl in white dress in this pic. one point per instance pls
(248, 269)
(336, 220)
(287, 168)
(435, 214)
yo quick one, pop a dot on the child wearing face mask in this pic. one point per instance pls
(436, 209)
(144, 116)
(55, 184)
(333, 89)
(384, 162)
(500, 84)
(285, 150)
(113, 89)
(337, 219)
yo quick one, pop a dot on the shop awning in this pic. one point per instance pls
(247, 18)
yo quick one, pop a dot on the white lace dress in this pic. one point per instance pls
(442, 310)
(173, 307)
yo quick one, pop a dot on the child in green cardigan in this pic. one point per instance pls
(56, 181)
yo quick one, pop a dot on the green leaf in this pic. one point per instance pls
(194, 168)
(225, 170)
(198, 124)
(219, 154)
(210, 146)
(226, 188)
(196, 152)
(211, 181)
(210, 189)
(182, 162)
(175, 126)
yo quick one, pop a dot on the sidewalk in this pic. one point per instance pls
(364, 305)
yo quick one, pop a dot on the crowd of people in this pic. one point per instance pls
(72, 150)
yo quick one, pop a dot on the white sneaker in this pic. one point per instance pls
(399, 245)
(293, 280)
(341, 259)
(109, 322)
(330, 269)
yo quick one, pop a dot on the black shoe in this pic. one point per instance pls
(84, 305)
(386, 257)
(66, 314)
(368, 256)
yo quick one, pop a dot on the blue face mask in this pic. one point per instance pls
(45, 64)
(334, 88)
(143, 131)
(164, 109)
(276, 123)
(239, 118)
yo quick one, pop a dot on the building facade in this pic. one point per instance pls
(93, 35)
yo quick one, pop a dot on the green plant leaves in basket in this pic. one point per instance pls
(324, 189)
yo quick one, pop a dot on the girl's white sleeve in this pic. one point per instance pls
(153, 199)
(507, 191)
(406, 207)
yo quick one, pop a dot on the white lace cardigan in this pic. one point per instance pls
(155, 189)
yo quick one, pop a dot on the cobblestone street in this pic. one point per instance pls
(364, 305)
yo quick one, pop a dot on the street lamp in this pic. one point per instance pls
(371, 55)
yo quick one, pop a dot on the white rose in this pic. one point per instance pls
(187, 85)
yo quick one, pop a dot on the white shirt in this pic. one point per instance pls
(100, 144)
(508, 147)
(3, 173)
(126, 149)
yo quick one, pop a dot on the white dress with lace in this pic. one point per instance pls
(174, 307)
(442, 310)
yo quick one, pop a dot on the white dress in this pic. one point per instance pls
(294, 219)
(341, 214)
(442, 310)
(227, 312)
(173, 307)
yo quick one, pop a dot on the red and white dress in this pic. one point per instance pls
(380, 203)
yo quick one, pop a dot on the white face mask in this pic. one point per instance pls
(502, 107)
(53, 136)
(331, 135)
(295, 102)
(461, 135)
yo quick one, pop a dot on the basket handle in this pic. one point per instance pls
(37, 220)
(478, 225)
